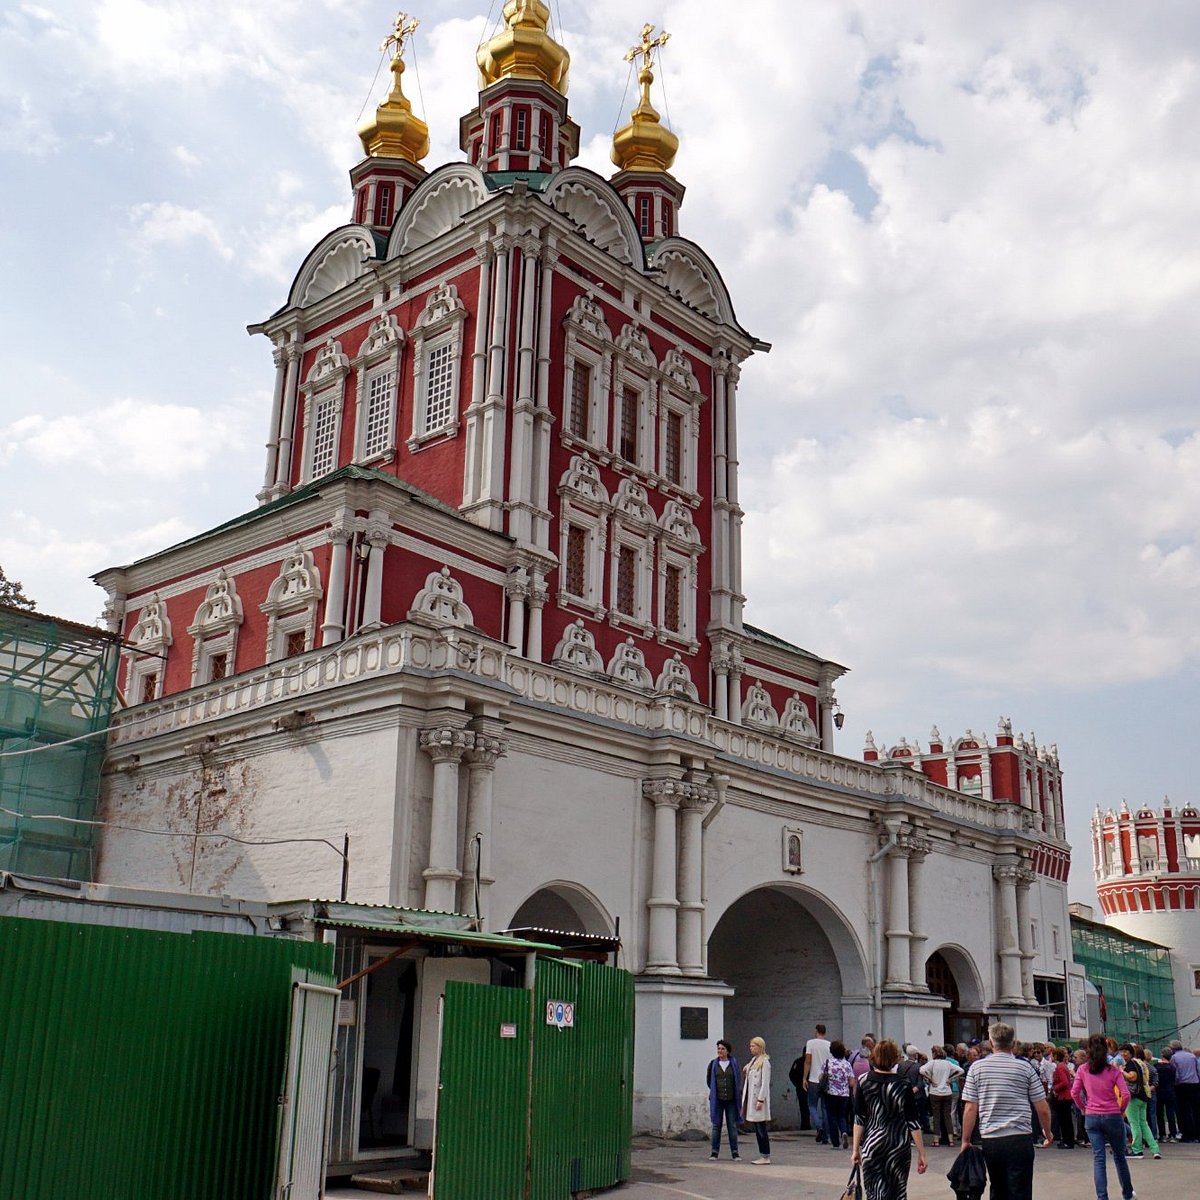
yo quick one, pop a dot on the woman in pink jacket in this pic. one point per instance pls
(1102, 1095)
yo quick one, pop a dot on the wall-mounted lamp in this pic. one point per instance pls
(839, 717)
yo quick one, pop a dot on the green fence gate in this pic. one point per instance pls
(535, 1098)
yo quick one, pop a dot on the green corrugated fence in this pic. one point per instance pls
(141, 1064)
(528, 1110)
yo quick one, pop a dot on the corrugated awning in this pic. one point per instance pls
(461, 937)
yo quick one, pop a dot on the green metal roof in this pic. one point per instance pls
(466, 937)
(314, 488)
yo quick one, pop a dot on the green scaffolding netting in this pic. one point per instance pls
(1136, 978)
(57, 682)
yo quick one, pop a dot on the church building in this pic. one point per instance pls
(486, 619)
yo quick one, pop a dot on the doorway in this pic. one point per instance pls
(387, 1052)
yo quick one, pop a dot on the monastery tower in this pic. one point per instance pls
(1147, 869)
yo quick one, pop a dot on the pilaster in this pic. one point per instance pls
(446, 746)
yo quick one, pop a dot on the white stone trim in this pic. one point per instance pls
(577, 651)
(292, 602)
(440, 324)
(379, 354)
(441, 602)
(325, 385)
(215, 628)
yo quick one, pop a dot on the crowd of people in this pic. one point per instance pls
(997, 1095)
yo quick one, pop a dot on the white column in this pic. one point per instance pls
(481, 761)
(279, 356)
(473, 466)
(720, 666)
(1005, 875)
(446, 747)
(985, 768)
(283, 468)
(661, 953)
(536, 601)
(918, 849)
(735, 511)
(516, 588)
(897, 932)
(333, 627)
(543, 415)
(735, 687)
(825, 701)
(690, 932)
(494, 440)
(377, 539)
(521, 452)
(1024, 935)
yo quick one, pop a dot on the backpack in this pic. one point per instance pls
(1139, 1088)
(796, 1074)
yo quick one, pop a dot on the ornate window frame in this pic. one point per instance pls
(439, 325)
(633, 527)
(679, 546)
(584, 505)
(588, 340)
(214, 630)
(324, 389)
(378, 357)
(292, 603)
(635, 368)
(679, 392)
(150, 639)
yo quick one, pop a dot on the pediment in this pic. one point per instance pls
(436, 207)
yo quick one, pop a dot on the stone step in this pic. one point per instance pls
(393, 1181)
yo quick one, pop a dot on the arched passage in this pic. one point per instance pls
(793, 961)
(950, 972)
(565, 906)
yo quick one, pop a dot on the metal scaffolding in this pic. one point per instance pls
(1136, 979)
(57, 682)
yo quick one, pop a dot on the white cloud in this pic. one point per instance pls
(129, 439)
(186, 158)
(172, 224)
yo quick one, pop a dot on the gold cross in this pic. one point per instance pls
(405, 27)
(647, 47)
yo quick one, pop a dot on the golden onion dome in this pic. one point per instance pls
(523, 49)
(645, 144)
(395, 131)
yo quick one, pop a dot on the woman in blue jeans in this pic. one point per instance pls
(1102, 1095)
(724, 1096)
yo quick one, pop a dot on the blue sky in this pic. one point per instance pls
(970, 463)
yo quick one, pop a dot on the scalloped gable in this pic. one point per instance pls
(687, 272)
(336, 260)
(437, 206)
(589, 202)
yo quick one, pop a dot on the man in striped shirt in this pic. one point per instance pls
(1000, 1094)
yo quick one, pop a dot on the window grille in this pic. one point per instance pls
(629, 424)
(673, 451)
(218, 667)
(379, 410)
(150, 687)
(383, 204)
(666, 221)
(439, 388)
(644, 216)
(521, 139)
(544, 126)
(672, 598)
(576, 555)
(294, 643)
(627, 580)
(495, 133)
(324, 442)
(581, 392)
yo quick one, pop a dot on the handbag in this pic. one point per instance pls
(853, 1188)
(823, 1081)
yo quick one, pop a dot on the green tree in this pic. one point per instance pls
(12, 594)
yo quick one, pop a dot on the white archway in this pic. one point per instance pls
(563, 905)
(793, 960)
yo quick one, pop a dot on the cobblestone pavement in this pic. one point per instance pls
(670, 1170)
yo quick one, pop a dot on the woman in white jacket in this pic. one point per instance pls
(756, 1097)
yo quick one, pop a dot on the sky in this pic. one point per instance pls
(970, 463)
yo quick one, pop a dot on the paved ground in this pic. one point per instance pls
(669, 1170)
(664, 1170)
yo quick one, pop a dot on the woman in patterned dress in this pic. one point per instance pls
(885, 1126)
